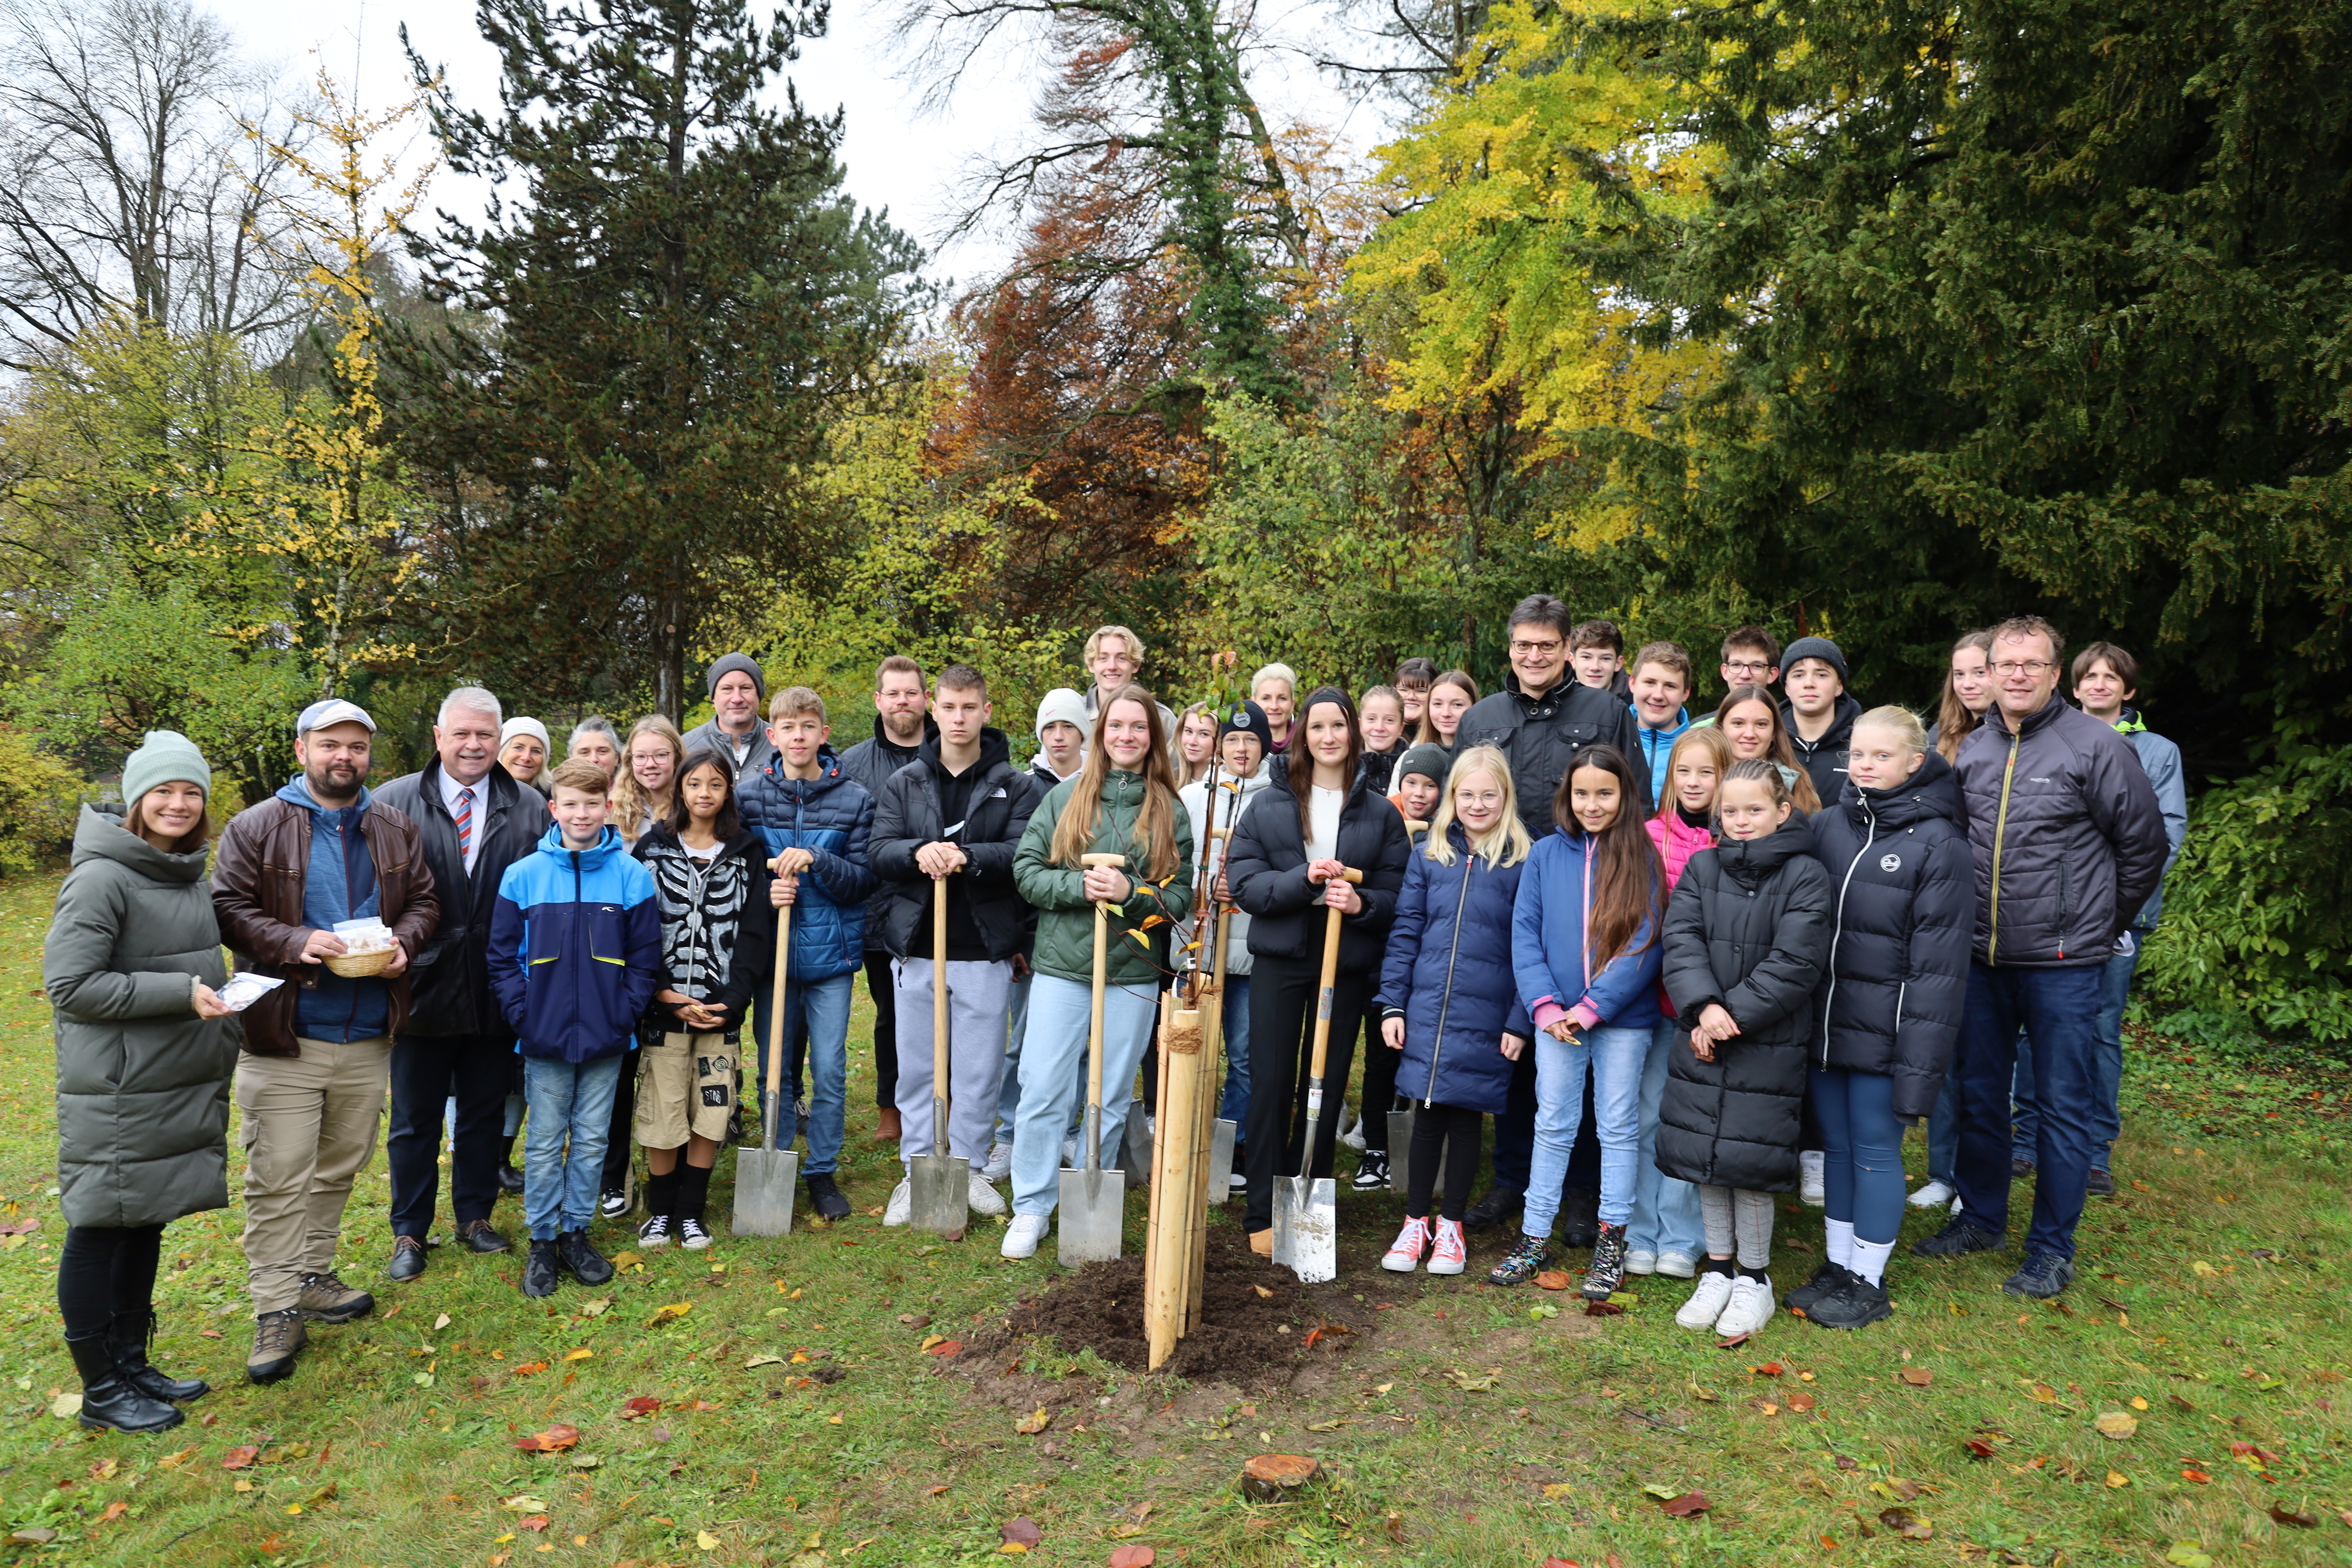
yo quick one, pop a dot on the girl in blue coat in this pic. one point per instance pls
(1446, 999)
(1585, 953)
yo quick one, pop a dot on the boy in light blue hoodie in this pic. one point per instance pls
(575, 953)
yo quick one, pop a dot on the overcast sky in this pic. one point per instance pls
(897, 157)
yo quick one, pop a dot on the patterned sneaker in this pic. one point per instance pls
(1403, 1255)
(329, 1301)
(1607, 1270)
(691, 1235)
(654, 1232)
(1446, 1256)
(1530, 1256)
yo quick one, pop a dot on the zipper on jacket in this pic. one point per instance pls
(580, 936)
(1837, 930)
(1453, 952)
(2000, 827)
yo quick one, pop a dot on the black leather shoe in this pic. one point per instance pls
(541, 1268)
(1499, 1204)
(581, 1260)
(476, 1236)
(2102, 1184)
(111, 1401)
(509, 1180)
(128, 1335)
(408, 1258)
(824, 1196)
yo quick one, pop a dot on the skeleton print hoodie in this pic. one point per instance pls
(718, 931)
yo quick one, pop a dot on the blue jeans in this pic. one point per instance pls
(1234, 1104)
(824, 1007)
(1008, 1098)
(1615, 1058)
(1862, 1149)
(2115, 990)
(1666, 1209)
(563, 1158)
(2059, 1008)
(1054, 1078)
(1943, 1131)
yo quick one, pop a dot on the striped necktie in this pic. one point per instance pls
(465, 822)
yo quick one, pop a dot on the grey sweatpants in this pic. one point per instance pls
(978, 996)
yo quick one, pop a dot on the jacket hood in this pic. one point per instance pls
(1838, 735)
(99, 835)
(1751, 860)
(1933, 792)
(882, 737)
(296, 791)
(608, 843)
(662, 835)
(995, 752)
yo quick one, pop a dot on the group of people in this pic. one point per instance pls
(1684, 965)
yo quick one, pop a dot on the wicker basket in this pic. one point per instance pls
(359, 965)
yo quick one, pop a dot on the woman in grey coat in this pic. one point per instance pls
(145, 1049)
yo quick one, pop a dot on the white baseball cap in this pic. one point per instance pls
(332, 710)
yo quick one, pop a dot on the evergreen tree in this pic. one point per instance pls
(648, 343)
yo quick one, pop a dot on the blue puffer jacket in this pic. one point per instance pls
(830, 816)
(1549, 922)
(1448, 974)
(575, 948)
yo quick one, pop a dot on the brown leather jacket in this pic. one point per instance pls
(265, 853)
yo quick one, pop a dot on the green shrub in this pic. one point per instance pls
(39, 800)
(2258, 911)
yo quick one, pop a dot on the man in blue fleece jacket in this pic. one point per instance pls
(575, 953)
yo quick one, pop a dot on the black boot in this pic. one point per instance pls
(109, 1401)
(1580, 1216)
(128, 1332)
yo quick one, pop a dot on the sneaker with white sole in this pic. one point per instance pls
(1237, 1183)
(1354, 1136)
(654, 1232)
(1022, 1236)
(1750, 1307)
(691, 1235)
(902, 1203)
(1000, 1163)
(1404, 1253)
(1677, 1265)
(1933, 1194)
(1813, 1185)
(1706, 1302)
(1069, 1153)
(1641, 1261)
(984, 1198)
(1448, 1252)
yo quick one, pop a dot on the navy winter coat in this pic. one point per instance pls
(1748, 926)
(832, 817)
(1899, 963)
(1448, 975)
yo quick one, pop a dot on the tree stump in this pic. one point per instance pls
(1278, 1478)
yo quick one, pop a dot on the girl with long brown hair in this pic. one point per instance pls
(1585, 953)
(1122, 802)
(1451, 695)
(1968, 692)
(1751, 720)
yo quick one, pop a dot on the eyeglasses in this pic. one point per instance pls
(2009, 666)
(1745, 666)
(1519, 648)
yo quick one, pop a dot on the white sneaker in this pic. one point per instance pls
(1752, 1305)
(1237, 1183)
(1706, 1303)
(1069, 1153)
(902, 1201)
(1955, 1202)
(1677, 1265)
(1151, 1125)
(1022, 1236)
(1931, 1194)
(1000, 1163)
(986, 1199)
(1643, 1262)
(1354, 1136)
(1813, 1185)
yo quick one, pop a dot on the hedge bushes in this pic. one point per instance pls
(40, 797)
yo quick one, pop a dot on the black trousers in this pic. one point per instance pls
(625, 1119)
(1432, 1126)
(1283, 996)
(1515, 1134)
(104, 1269)
(886, 1031)
(426, 1069)
(1380, 1086)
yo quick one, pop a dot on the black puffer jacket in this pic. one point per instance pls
(908, 816)
(1824, 760)
(1898, 961)
(1748, 926)
(1538, 735)
(871, 761)
(1267, 870)
(449, 982)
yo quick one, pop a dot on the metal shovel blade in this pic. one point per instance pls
(1400, 1148)
(765, 1181)
(1222, 1135)
(1307, 1227)
(1094, 1206)
(940, 1189)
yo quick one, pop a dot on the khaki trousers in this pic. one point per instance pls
(309, 1127)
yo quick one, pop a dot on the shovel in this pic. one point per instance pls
(766, 1176)
(1093, 1203)
(1307, 1207)
(1223, 1132)
(941, 1194)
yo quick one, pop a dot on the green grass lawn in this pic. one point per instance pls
(1459, 1424)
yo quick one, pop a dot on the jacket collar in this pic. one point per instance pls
(99, 835)
(296, 791)
(828, 776)
(607, 845)
(1750, 860)
(662, 838)
(1933, 792)
(1996, 717)
(883, 743)
(995, 752)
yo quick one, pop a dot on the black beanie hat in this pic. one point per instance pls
(1247, 718)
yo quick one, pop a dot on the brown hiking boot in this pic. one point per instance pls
(277, 1339)
(331, 1300)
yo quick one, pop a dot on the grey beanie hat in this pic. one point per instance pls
(1429, 759)
(165, 756)
(728, 664)
(1813, 647)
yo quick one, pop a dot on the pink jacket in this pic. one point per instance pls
(1677, 841)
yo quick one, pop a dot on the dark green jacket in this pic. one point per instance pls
(1066, 920)
(143, 1083)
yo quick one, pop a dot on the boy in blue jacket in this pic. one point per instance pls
(814, 819)
(575, 953)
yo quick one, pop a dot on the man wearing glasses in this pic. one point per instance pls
(1542, 717)
(2069, 843)
(1751, 657)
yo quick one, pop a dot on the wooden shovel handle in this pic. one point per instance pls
(776, 1015)
(939, 1012)
(1331, 975)
(1102, 959)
